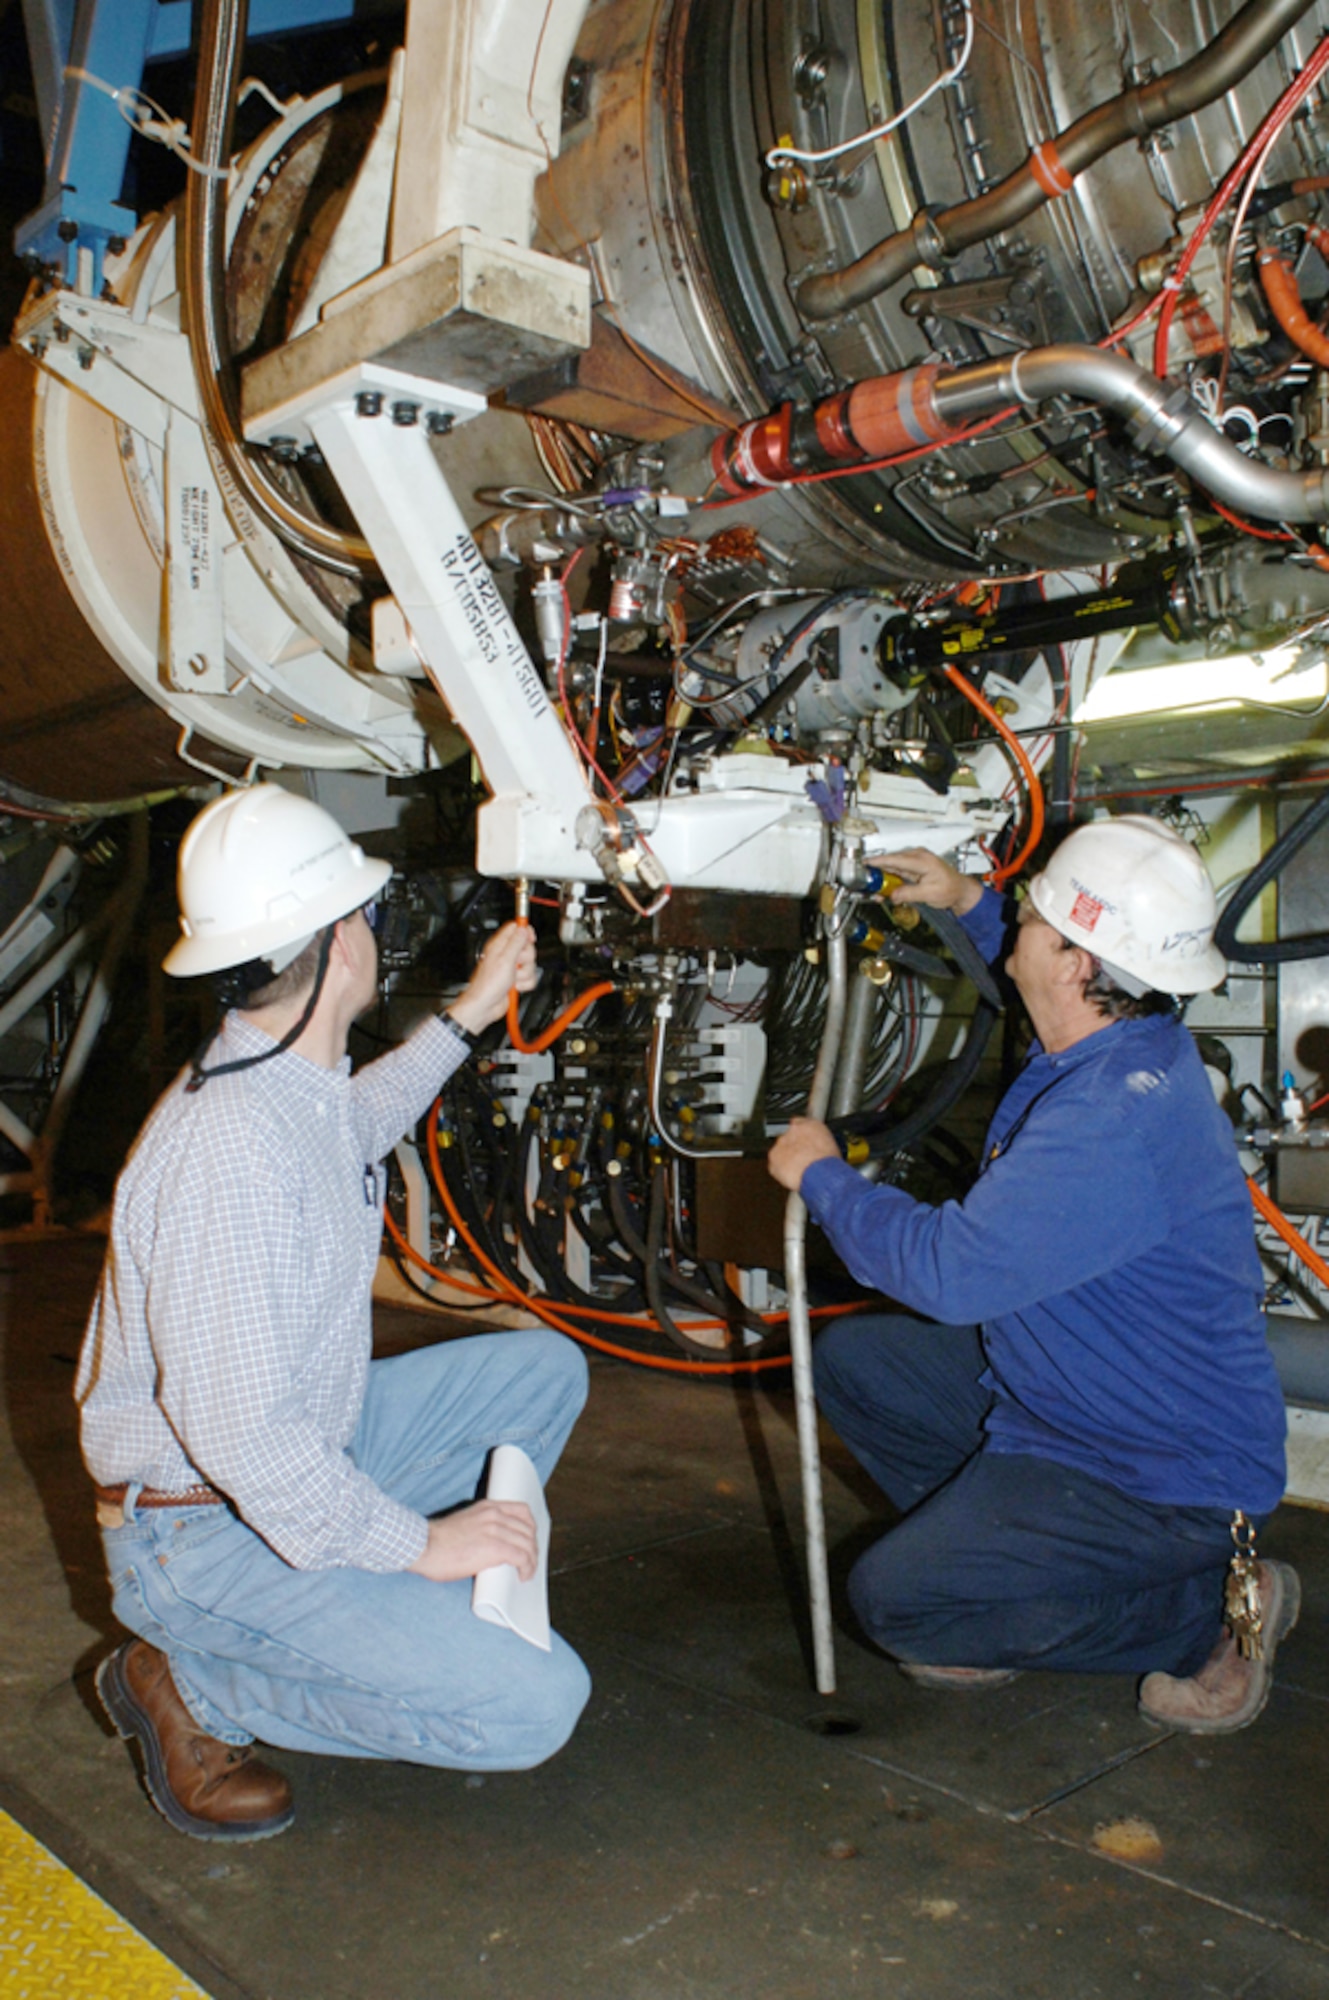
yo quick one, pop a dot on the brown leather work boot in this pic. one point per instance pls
(1229, 1691)
(203, 1787)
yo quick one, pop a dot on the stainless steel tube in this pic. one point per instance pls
(655, 1079)
(1162, 416)
(855, 1047)
(800, 1334)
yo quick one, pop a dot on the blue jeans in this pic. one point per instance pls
(353, 1662)
(1006, 1560)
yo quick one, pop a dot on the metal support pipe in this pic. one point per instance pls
(18, 1134)
(55, 967)
(800, 1332)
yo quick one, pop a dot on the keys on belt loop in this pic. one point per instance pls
(1241, 1593)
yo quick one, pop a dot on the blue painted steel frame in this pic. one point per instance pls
(88, 136)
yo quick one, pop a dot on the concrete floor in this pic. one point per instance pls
(704, 1836)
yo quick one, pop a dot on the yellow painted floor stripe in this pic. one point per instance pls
(60, 1941)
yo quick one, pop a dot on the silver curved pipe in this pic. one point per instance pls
(1162, 416)
(221, 42)
(800, 1331)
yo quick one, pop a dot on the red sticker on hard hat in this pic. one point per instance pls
(1086, 911)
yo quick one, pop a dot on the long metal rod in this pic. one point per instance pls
(800, 1333)
(41, 981)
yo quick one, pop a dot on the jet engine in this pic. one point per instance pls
(716, 443)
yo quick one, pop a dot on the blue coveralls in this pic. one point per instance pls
(1081, 1391)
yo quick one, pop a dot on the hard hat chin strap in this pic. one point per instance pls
(198, 1076)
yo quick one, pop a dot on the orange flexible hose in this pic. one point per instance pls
(1295, 1241)
(548, 1036)
(1284, 295)
(596, 1313)
(1030, 775)
(553, 1319)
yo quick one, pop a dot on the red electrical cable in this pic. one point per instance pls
(1265, 134)
(1248, 527)
(1030, 775)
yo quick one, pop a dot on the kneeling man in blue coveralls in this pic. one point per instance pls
(1078, 1396)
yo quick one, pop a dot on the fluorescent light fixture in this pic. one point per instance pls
(1276, 679)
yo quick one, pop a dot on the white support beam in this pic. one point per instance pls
(481, 114)
(471, 649)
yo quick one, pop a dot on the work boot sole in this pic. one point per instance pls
(134, 1724)
(964, 1680)
(1284, 1613)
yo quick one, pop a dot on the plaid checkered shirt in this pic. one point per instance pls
(230, 1337)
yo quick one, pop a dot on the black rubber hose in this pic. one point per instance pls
(462, 1187)
(697, 1296)
(885, 1138)
(657, 1277)
(964, 951)
(1282, 951)
(624, 1221)
(1060, 803)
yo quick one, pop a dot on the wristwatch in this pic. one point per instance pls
(471, 1041)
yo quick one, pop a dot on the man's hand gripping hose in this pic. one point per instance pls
(559, 1025)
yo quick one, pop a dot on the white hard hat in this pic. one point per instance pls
(260, 872)
(1138, 897)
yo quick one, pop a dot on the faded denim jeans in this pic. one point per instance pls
(354, 1663)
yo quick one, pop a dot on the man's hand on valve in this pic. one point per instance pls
(926, 878)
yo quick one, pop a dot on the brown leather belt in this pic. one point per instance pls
(192, 1496)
